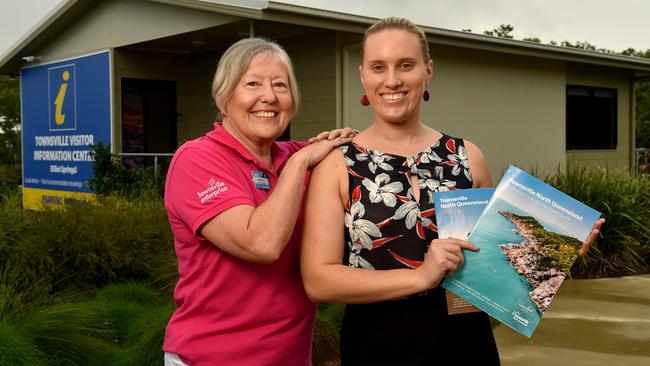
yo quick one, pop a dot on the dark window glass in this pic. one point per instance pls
(591, 118)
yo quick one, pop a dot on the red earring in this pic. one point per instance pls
(425, 95)
(364, 101)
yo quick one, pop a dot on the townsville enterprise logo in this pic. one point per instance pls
(62, 96)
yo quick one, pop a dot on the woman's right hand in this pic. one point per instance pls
(313, 153)
(444, 257)
(331, 135)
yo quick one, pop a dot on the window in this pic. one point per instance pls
(591, 118)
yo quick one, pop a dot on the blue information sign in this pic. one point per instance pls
(66, 108)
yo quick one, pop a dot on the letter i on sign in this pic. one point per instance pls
(62, 97)
(59, 117)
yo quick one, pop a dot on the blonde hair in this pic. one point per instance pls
(235, 61)
(397, 23)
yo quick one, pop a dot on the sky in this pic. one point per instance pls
(614, 25)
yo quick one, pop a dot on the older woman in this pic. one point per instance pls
(233, 198)
(388, 262)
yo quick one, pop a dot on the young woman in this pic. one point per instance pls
(370, 238)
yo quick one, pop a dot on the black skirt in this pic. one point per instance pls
(416, 331)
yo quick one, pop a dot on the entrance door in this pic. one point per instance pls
(148, 117)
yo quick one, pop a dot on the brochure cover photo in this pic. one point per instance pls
(456, 214)
(529, 236)
(457, 211)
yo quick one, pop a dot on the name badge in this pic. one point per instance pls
(260, 180)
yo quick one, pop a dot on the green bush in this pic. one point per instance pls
(332, 315)
(33, 325)
(164, 276)
(122, 325)
(52, 261)
(137, 317)
(623, 246)
(70, 334)
(10, 174)
(110, 176)
(147, 335)
(16, 347)
(8, 188)
(91, 284)
(86, 246)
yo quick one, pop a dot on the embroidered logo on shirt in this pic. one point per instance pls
(214, 188)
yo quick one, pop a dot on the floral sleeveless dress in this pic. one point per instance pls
(387, 228)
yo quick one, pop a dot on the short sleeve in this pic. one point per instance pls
(201, 185)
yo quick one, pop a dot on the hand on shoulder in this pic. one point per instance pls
(333, 134)
(313, 153)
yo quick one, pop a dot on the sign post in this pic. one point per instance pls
(66, 108)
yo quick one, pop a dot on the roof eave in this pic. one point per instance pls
(25, 46)
(533, 49)
(223, 7)
(301, 15)
(472, 40)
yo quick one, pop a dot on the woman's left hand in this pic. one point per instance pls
(592, 237)
(331, 135)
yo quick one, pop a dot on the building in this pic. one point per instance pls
(532, 105)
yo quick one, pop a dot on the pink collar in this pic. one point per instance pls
(224, 138)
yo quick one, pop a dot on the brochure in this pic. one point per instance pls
(456, 214)
(529, 236)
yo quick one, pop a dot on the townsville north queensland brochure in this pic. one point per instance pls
(529, 235)
(456, 214)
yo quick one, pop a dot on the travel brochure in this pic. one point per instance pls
(456, 214)
(529, 235)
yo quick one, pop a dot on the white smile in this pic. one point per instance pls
(393, 96)
(265, 114)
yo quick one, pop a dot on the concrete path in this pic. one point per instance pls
(590, 322)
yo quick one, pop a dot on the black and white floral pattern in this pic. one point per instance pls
(386, 227)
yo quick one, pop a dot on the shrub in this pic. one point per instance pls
(112, 177)
(122, 325)
(33, 326)
(86, 246)
(332, 315)
(70, 334)
(16, 345)
(11, 174)
(121, 305)
(164, 275)
(138, 318)
(52, 261)
(16, 348)
(623, 246)
(148, 333)
(8, 188)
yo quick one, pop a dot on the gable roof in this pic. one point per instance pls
(68, 11)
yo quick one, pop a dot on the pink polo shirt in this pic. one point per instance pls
(229, 311)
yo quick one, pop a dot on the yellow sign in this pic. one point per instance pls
(37, 199)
